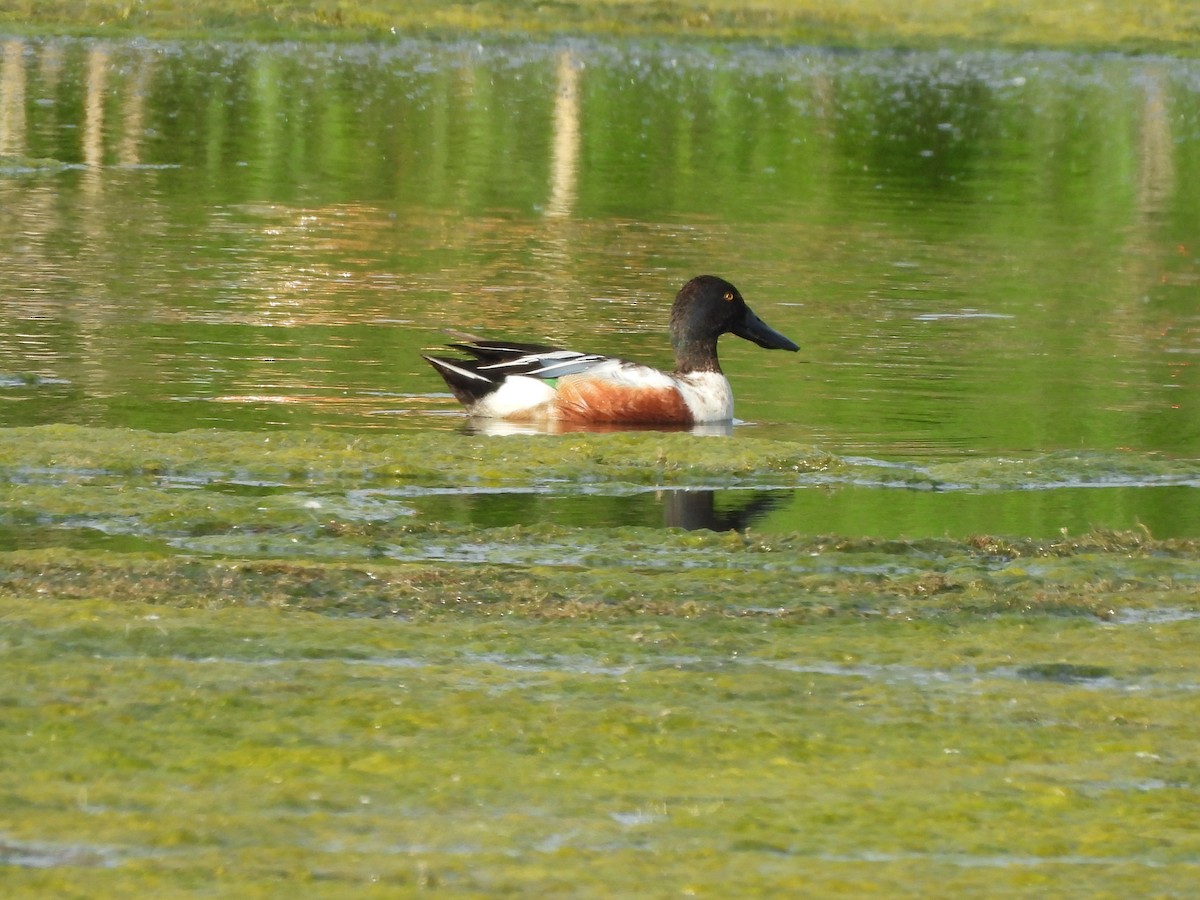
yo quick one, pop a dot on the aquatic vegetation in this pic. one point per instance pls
(327, 661)
(1128, 25)
(428, 459)
(250, 725)
(225, 663)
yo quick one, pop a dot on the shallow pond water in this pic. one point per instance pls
(980, 253)
(273, 614)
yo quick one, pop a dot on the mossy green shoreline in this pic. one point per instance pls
(1172, 27)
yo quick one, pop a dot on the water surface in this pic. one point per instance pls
(359, 644)
(980, 254)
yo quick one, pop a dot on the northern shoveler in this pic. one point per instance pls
(537, 383)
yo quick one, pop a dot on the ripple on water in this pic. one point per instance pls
(40, 855)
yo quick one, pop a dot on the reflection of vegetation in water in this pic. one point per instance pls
(966, 247)
(227, 663)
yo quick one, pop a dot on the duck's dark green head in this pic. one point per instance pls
(706, 308)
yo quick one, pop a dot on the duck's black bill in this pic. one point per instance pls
(754, 329)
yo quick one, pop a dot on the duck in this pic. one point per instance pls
(537, 383)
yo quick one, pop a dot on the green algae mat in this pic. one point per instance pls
(249, 664)
(1172, 26)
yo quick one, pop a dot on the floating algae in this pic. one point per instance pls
(277, 670)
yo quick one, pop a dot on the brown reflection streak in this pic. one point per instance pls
(277, 281)
(1153, 188)
(96, 353)
(278, 284)
(93, 112)
(28, 211)
(50, 67)
(564, 164)
(543, 310)
(556, 244)
(1156, 172)
(12, 100)
(134, 109)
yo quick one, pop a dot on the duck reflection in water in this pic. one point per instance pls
(502, 427)
(695, 510)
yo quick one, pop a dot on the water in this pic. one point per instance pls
(987, 254)
(1166, 512)
(345, 666)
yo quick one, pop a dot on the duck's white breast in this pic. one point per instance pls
(708, 396)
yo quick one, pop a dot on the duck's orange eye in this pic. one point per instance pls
(729, 296)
